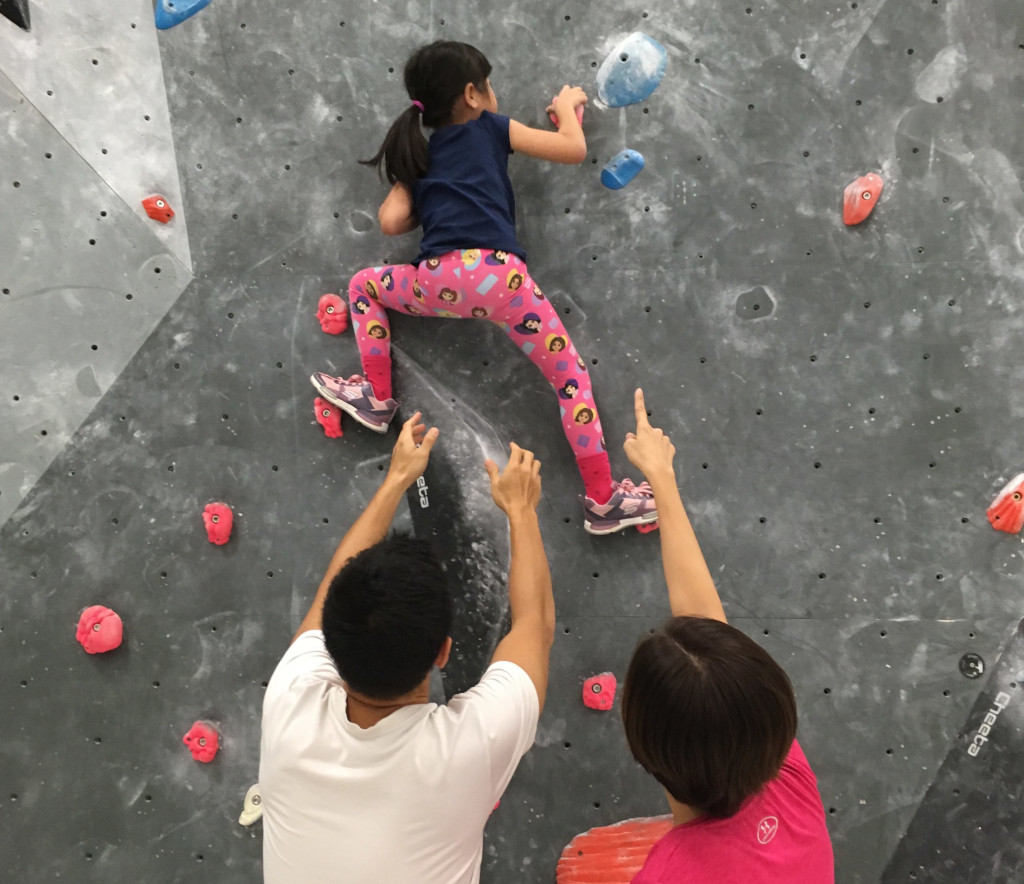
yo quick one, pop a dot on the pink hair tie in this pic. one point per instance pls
(418, 105)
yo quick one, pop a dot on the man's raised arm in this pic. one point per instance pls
(516, 491)
(408, 461)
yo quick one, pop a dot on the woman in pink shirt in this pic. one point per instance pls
(712, 717)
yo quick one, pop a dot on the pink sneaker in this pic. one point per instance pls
(629, 505)
(355, 397)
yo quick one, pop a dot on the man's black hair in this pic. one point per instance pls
(386, 616)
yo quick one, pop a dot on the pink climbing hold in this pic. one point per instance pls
(218, 519)
(1006, 513)
(203, 741)
(333, 314)
(158, 208)
(328, 415)
(99, 630)
(860, 197)
(554, 117)
(599, 691)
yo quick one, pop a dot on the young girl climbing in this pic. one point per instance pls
(470, 264)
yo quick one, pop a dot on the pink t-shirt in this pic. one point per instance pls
(777, 837)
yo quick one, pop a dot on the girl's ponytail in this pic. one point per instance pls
(403, 155)
(435, 76)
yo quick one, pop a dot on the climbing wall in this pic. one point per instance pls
(845, 401)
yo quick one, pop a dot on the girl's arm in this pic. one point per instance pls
(567, 145)
(397, 214)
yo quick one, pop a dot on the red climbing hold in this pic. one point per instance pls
(333, 314)
(158, 208)
(218, 519)
(99, 630)
(611, 854)
(599, 691)
(1006, 512)
(860, 198)
(648, 528)
(203, 741)
(328, 416)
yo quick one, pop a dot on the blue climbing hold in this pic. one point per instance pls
(621, 169)
(173, 12)
(632, 71)
(17, 12)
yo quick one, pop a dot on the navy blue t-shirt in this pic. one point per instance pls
(465, 200)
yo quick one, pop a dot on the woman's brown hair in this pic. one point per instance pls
(708, 713)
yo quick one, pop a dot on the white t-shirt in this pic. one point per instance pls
(403, 801)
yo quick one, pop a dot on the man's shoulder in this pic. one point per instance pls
(504, 686)
(305, 662)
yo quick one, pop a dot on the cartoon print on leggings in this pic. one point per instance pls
(569, 389)
(375, 330)
(450, 296)
(582, 414)
(530, 325)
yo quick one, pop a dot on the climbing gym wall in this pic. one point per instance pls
(845, 399)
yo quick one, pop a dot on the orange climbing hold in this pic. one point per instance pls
(610, 854)
(860, 197)
(1006, 513)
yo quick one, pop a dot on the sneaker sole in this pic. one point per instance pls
(348, 408)
(597, 530)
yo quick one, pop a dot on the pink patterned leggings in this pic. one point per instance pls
(484, 284)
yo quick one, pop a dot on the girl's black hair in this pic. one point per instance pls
(435, 76)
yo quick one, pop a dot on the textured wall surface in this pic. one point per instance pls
(838, 444)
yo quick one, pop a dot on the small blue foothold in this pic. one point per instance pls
(173, 12)
(632, 71)
(621, 169)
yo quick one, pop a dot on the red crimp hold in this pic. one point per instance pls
(158, 208)
(648, 528)
(860, 198)
(332, 313)
(328, 415)
(218, 519)
(203, 741)
(1006, 512)
(599, 691)
(99, 630)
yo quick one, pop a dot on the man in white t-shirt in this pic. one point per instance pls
(363, 780)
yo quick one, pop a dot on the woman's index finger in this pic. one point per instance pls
(641, 408)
